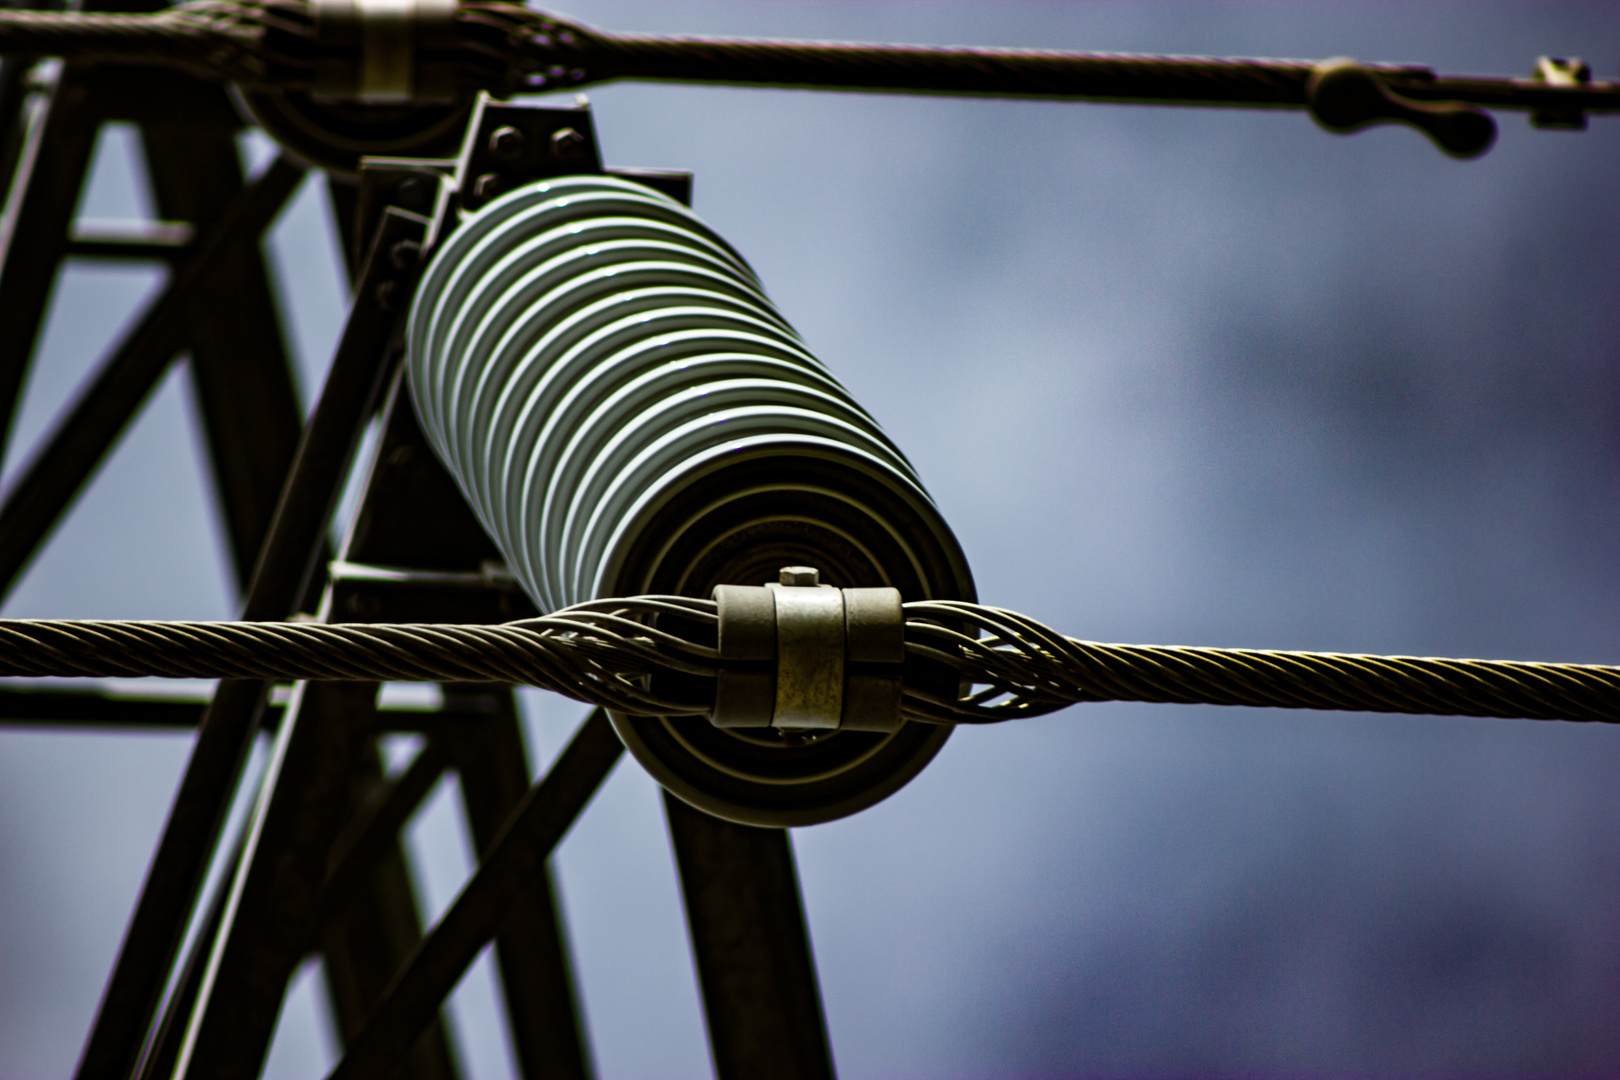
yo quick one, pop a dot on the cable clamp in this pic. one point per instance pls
(377, 50)
(799, 655)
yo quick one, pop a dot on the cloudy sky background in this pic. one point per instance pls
(1174, 376)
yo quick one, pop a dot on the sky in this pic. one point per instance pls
(1174, 376)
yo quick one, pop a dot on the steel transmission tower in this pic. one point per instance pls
(458, 217)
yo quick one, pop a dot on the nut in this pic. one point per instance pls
(412, 193)
(567, 144)
(799, 575)
(405, 254)
(506, 143)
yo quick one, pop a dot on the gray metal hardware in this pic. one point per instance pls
(373, 50)
(797, 655)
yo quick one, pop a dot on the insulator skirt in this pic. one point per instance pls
(583, 347)
(626, 412)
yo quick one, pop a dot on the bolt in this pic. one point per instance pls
(405, 254)
(485, 186)
(385, 295)
(799, 575)
(567, 144)
(412, 192)
(506, 143)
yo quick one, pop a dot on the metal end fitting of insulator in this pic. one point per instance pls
(801, 656)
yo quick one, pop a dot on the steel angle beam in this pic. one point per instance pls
(536, 973)
(286, 563)
(16, 73)
(122, 241)
(314, 769)
(107, 710)
(372, 834)
(344, 197)
(274, 901)
(58, 134)
(508, 872)
(413, 515)
(50, 707)
(163, 1047)
(49, 120)
(369, 922)
(365, 920)
(374, 595)
(760, 994)
(413, 518)
(242, 377)
(92, 423)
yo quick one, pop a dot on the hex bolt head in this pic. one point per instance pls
(567, 144)
(405, 254)
(485, 186)
(506, 143)
(412, 193)
(803, 576)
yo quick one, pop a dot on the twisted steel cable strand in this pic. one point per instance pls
(604, 651)
(270, 44)
(246, 43)
(238, 42)
(1011, 72)
(1022, 668)
(504, 47)
(596, 652)
(1031, 73)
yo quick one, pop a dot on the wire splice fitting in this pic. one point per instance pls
(799, 655)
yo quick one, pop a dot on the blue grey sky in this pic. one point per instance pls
(1174, 376)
